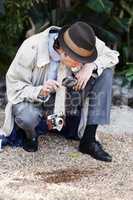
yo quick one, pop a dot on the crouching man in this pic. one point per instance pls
(32, 83)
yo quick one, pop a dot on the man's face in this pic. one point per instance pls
(68, 61)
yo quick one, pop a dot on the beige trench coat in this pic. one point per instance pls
(25, 76)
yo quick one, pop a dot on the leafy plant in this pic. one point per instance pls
(128, 72)
(12, 28)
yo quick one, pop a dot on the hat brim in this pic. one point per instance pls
(72, 54)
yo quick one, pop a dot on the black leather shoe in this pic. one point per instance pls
(95, 150)
(31, 145)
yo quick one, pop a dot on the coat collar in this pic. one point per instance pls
(43, 57)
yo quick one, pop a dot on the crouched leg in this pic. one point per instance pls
(100, 98)
(27, 116)
(98, 113)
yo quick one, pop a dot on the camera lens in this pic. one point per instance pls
(59, 121)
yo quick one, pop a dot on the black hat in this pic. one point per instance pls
(78, 41)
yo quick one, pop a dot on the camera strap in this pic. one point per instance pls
(61, 92)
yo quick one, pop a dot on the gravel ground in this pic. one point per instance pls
(59, 172)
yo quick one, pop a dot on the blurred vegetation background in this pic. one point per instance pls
(112, 21)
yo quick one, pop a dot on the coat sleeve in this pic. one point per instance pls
(107, 58)
(19, 76)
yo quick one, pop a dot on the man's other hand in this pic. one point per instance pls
(84, 75)
(50, 86)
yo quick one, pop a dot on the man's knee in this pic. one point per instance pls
(27, 122)
(107, 75)
(26, 116)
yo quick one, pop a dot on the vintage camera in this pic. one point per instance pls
(55, 121)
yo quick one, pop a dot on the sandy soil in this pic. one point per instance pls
(59, 172)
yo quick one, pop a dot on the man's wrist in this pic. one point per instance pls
(96, 67)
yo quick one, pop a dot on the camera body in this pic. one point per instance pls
(55, 121)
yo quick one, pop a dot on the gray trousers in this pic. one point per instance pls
(27, 115)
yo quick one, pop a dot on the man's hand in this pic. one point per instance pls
(84, 75)
(49, 87)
